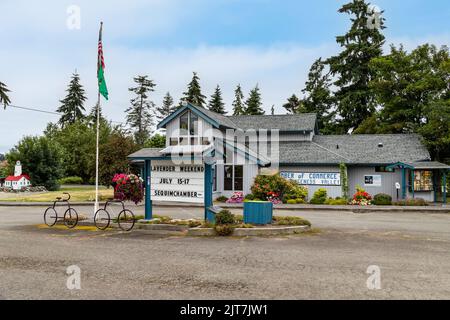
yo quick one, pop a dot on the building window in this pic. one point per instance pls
(238, 178)
(228, 178)
(423, 181)
(173, 141)
(193, 124)
(205, 142)
(184, 124)
(233, 178)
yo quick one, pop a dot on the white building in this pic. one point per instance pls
(19, 180)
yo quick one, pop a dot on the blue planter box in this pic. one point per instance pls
(258, 212)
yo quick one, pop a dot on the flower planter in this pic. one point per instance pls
(258, 212)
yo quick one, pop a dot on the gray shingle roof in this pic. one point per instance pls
(146, 153)
(221, 119)
(291, 122)
(355, 149)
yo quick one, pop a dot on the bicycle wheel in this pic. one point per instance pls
(102, 219)
(50, 217)
(71, 218)
(126, 220)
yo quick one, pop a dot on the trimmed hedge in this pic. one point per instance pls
(382, 199)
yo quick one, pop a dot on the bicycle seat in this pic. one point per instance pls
(58, 198)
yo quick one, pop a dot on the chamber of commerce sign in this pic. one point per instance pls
(314, 178)
(177, 183)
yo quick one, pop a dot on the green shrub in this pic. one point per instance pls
(291, 201)
(290, 221)
(319, 197)
(419, 202)
(222, 199)
(225, 217)
(224, 230)
(294, 191)
(300, 201)
(336, 202)
(249, 197)
(382, 199)
(70, 180)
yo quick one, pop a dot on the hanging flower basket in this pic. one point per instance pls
(128, 187)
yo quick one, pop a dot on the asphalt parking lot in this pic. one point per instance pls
(411, 250)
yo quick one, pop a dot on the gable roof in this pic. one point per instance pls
(13, 178)
(215, 119)
(288, 122)
(355, 149)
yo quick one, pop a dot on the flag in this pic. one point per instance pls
(101, 67)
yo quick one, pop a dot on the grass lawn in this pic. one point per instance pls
(78, 194)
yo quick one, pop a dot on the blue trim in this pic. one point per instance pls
(403, 183)
(191, 108)
(400, 165)
(208, 194)
(148, 196)
(412, 183)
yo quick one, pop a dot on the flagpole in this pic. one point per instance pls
(96, 207)
(97, 154)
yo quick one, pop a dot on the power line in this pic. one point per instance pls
(46, 111)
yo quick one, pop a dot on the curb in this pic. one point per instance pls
(281, 207)
(251, 232)
(174, 230)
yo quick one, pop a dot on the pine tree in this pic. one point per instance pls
(272, 110)
(72, 106)
(238, 103)
(216, 103)
(167, 107)
(318, 98)
(194, 93)
(139, 116)
(253, 103)
(92, 117)
(293, 105)
(361, 44)
(4, 99)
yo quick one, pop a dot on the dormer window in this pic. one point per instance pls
(188, 124)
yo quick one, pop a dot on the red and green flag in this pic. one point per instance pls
(101, 67)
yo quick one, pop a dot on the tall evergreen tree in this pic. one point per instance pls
(72, 106)
(318, 98)
(4, 99)
(361, 44)
(194, 93)
(238, 103)
(139, 116)
(254, 103)
(216, 103)
(167, 107)
(92, 117)
(293, 105)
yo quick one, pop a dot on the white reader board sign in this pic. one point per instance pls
(314, 178)
(177, 183)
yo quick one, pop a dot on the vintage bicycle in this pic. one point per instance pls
(125, 219)
(70, 217)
